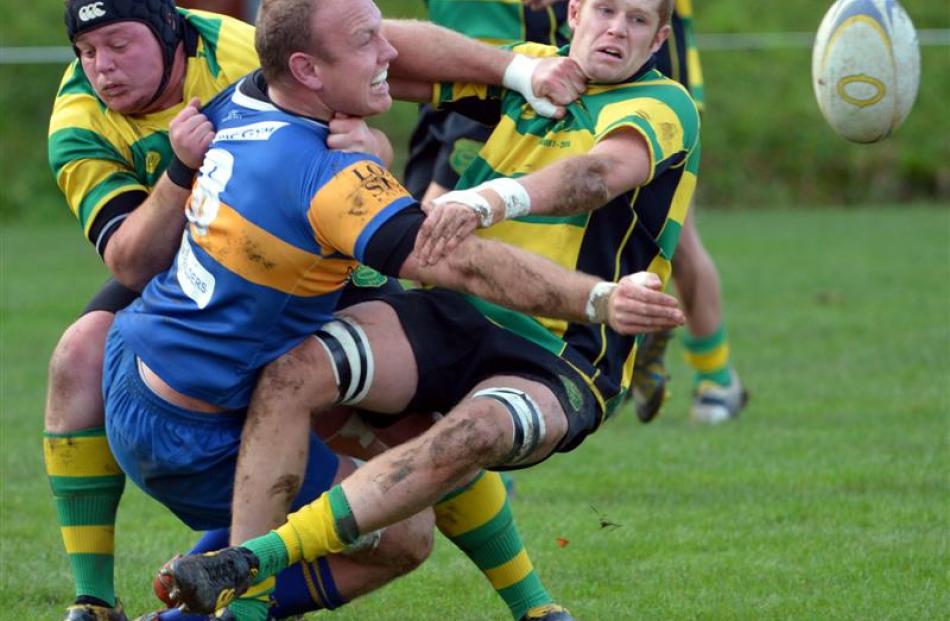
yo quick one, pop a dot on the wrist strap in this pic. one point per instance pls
(515, 196)
(517, 77)
(180, 174)
(597, 301)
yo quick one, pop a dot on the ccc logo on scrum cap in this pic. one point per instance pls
(91, 11)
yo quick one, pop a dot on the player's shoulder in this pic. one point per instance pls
(224, 44)
(651, 89)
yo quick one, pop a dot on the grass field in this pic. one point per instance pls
(827, 500)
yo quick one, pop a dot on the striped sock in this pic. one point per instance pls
(325, 526)
(478, 519)
(87, 484)
(255, 603)
(709, 356)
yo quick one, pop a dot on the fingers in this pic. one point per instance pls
(445, 226)
(638, 305)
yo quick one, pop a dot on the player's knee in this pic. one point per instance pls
(406, 545)
(350, 354)
(75, 374)
(534, 428)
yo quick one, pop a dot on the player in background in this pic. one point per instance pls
(443, 142)
(138, 65)
(604, 189)
(718, 394)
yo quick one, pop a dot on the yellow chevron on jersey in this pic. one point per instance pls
(97, 155)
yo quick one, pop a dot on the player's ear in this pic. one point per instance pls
(305, 70)
(660, 37)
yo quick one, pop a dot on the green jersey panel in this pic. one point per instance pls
(499, 22)
(104, 162)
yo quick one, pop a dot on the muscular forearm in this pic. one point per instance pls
(510, 277)
(145, 242)
(430, 53)
(571, 186)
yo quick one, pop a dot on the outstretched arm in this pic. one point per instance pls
(430, 54)
(578, 184)
(527, 282)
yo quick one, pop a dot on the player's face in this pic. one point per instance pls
(354, 79)
(613, 38)
(123, 62)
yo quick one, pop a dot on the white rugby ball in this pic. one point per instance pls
(865, 68)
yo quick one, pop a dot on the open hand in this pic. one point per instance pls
(637, 305)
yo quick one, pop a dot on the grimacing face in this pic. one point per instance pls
(123, 62)
(354, 80)
(614, 38)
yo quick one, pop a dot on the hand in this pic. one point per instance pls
(559, 80)
(637, 305)
(450, 221)
(190, 134)
(351, 133)
(537, 5)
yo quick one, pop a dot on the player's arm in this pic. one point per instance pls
(364, 213)
(618, 163)
(430, 54)
(145, 242)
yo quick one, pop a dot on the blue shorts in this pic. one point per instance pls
(185, 460)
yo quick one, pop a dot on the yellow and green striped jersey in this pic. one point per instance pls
(105, 163)
(635, 231)
(500, 22)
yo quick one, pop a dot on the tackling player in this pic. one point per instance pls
(604, 189)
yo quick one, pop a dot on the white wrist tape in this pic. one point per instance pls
(597, 301)
(518, 78)
(515, 196)
(471, 199)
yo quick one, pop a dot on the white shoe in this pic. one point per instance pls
(714, 404)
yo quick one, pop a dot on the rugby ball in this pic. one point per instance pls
(865, 68)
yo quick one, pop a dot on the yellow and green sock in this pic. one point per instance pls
(709, 356)
(87, 484)
(478, 519)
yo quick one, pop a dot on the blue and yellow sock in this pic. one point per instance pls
(478, 519)
(709, 356)
(87, 484)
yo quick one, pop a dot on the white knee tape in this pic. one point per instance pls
(349, 349)
(526, 419)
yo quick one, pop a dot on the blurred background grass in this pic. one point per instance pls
(765, 143)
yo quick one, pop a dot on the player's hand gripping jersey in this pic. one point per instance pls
(276, 224)
(636, 231)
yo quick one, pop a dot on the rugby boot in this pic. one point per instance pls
(209, 582)
(714, 403)
(94, 612)
(548, 612)
(650, 376)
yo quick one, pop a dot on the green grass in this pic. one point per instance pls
(827, 500)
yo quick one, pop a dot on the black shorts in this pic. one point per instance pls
(112, 297)
(442, 146)
(456, 347)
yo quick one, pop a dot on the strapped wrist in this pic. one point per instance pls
(598, 302)
(471, 199)
(514, 195)
(181, 174)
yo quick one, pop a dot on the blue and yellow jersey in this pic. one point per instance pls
(500, 22)
(679, 58)
(276, 224)
(106, 163)
(636, 231)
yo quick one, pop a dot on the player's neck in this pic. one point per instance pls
(299, 101)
